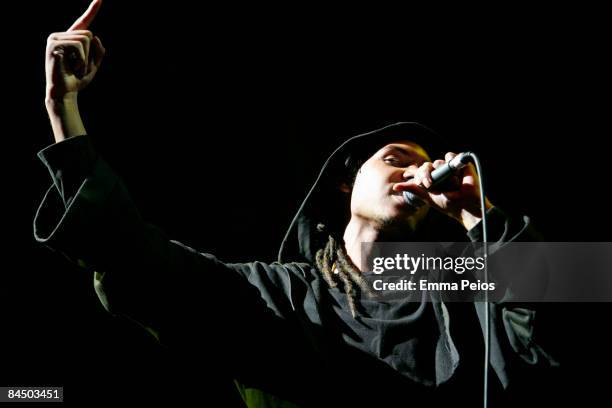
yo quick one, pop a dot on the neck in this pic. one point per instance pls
(359, 231)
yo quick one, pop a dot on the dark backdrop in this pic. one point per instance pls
(217, 117)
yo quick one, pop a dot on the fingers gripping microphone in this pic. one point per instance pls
(443, 172)
(439, 175)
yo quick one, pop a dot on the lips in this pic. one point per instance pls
(404, 188)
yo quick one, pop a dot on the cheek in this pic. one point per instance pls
(369, 184)
(377, 176)
(359, 191)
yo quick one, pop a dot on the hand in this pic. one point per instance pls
(73, 57)
(460, 198)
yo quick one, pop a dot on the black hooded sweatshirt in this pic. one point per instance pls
(287, 338)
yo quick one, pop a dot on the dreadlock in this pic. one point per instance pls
(332, 259)
(335, 265)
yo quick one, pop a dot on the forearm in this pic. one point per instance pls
(65, 118)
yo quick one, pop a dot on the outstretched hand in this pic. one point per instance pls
(73, 57)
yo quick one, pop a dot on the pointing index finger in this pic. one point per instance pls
(83, 22)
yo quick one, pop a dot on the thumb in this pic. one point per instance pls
(58, 70)
(56, 74)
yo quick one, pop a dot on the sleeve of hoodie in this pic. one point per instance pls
(168, 288)
(514, 348)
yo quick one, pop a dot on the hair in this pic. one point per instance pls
(336, 267)
(332, 259)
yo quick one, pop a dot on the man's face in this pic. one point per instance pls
(372, 196)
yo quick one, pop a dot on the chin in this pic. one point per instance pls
(402, 208)
(400, 215)
(407, 215)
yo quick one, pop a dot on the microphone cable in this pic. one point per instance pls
(485, 248)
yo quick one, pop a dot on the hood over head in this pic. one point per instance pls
(324, 211)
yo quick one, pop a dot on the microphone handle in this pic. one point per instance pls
(443, 172)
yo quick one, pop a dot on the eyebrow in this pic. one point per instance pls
(401, 150)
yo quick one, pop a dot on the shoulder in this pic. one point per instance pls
(297, 283)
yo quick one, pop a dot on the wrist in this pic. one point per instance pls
(470, 218)
(58, 103)
(64, 116)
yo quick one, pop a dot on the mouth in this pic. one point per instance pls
(407, 196)
(412, 199)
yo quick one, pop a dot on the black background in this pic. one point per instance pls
(218, 117)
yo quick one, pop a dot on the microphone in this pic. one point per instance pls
(443, 172)
(438, 176)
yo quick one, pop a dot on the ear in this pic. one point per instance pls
(344, 187)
